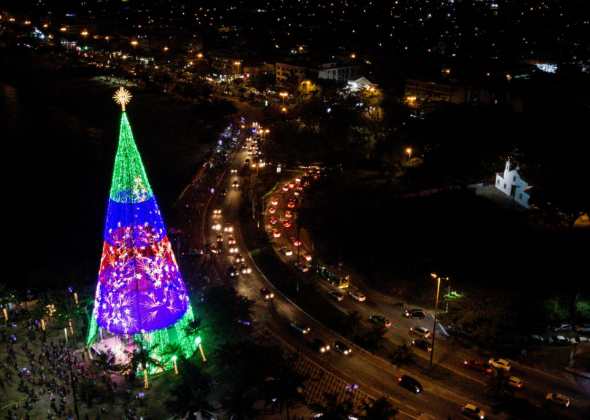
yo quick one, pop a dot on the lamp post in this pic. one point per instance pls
(435, 313)
(175, 365)
(237, 63)
(283, 94)
(298, 248)
(73, 384)
(409, 152)
(134, 43)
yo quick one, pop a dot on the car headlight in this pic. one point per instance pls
(272, 295)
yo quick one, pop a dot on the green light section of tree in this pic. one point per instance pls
(130, 183)
(159, 339)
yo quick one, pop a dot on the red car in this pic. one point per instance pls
(291, 204)
(295, 242)
(292, 185)
(273, 220)
(478, 366)
(286, 224)
(272, 210)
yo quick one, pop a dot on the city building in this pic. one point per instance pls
(361, 83)
(511, 184)
(301, 70)
(423, 90)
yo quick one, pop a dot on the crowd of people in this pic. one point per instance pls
(43, 371)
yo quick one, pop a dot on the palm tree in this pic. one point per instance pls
(194, 328)
(104, 363)
(173, 351)
(190, 395)
(86, 387)
(374, 336)
(403, 354)
(379, 409)
(239, 405)
(353, 321)
(144, 355)
(332, 409)
(287, 384)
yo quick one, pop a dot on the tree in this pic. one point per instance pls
(286, 384)
(247, 364)
(190, 395)
(87, 388)
(352, 321)
(239, 404)
(333, 409)
(173, 351)
(104, 364)
(402, 354)
(487, 319)
(228, 314)
(144, 356)
(194, 328)
(379, 409)
(562, 201)
(372, 338)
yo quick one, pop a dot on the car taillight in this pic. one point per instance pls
(519, 385)
(466, 362)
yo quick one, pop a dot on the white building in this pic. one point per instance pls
(511, 184)
(302, 70)
(361, 83)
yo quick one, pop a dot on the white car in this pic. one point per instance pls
(233, 249)
(358, 296)
(217, 212)
(420, 331)
(514, 382)
(216, 226)
(286, 250)
(228, 228)
(500, 364)
(474, 412)
(558, 399)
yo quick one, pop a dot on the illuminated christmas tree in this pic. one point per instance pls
(140, 291)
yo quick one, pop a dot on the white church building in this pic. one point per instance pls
(511, 184)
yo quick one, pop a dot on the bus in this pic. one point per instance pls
(337, 276)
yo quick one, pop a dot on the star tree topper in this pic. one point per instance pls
(122, 97)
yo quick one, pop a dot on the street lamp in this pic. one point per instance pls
(134, 43)
(237, 63)
(409, 152)
(283, 94)
(434, 276)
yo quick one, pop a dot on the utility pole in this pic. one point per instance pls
(73, 385)
(435, 314)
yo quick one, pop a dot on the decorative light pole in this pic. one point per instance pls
(198, 343)
(434, 276)
(175, 366)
